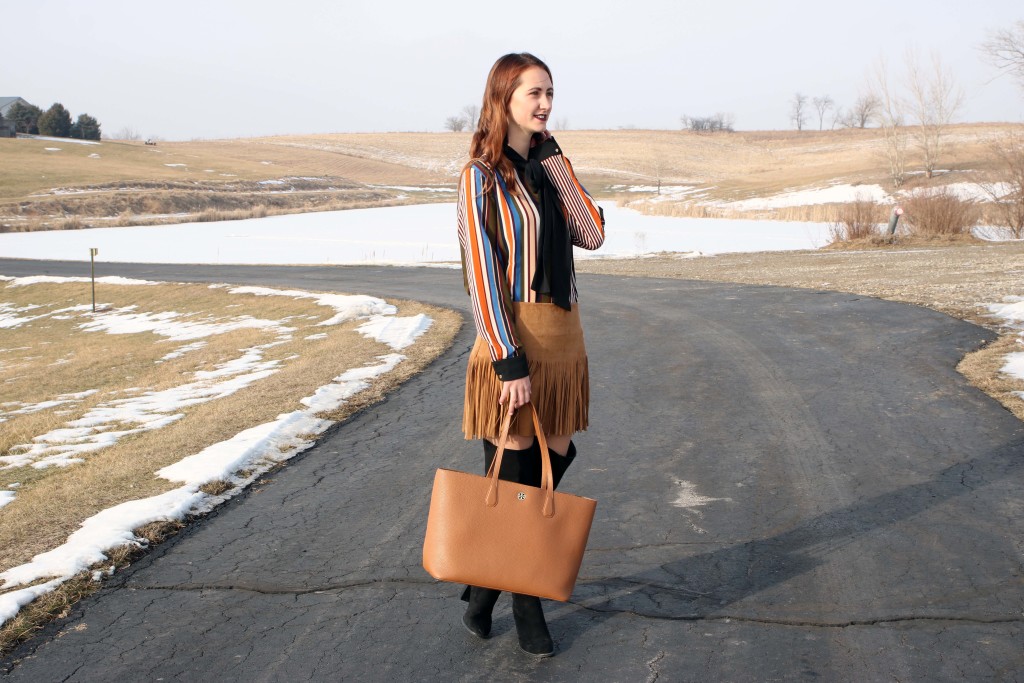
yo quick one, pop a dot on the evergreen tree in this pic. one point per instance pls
(56, 122)
(25, 117)
(85, 128)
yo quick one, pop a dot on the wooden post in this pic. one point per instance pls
(894, 219)
(92, 266)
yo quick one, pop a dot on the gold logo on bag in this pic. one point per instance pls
(521, 496)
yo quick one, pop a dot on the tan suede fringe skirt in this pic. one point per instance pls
(559, 378)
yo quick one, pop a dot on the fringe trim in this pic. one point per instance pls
(560, 392)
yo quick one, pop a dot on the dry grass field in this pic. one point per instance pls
(55, 356)
(51, 355)
(49, 184)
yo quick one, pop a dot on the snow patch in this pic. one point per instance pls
(834, 194)
(398, 333)
(48, 279)
(10, 318)
(13, 601)
(73, 141)
(171, 325)
(63, 399)
(107, 529)
(181, 351)
(346, 306)
(1011, 310)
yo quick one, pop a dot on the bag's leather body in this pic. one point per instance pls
(498, 534)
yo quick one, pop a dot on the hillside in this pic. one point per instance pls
(47, 183)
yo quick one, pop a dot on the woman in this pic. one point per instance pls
(521, 210)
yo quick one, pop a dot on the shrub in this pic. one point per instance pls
(70, 223)
(858, 220)
(1005, 190)
(939, 213)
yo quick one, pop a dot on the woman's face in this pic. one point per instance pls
(530, 106)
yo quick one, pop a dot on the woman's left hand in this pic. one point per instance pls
(515, 393)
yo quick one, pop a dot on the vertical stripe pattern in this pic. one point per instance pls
(499, 260)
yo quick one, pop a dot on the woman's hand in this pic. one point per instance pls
(515, 393)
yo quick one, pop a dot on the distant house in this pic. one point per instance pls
(7, 129)
(7, 102)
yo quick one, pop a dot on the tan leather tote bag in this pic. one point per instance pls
(491, 533)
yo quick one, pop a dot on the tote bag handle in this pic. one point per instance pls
(546, 480)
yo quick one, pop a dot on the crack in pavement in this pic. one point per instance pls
(652, 664)
(721, 618)
(727, 618)
(267, 590)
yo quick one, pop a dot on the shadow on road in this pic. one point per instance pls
(702, 586)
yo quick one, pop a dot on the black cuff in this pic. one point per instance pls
(546, 149)
(513, 367)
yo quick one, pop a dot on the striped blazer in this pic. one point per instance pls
(498, 236)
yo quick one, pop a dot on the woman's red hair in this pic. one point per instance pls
(492, 127)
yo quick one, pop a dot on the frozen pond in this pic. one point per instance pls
(420, 234)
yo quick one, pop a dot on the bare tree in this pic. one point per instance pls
(455, 124)
(716, 123)
(890, 118)
(863, 110)
(933, 100)
(561, 124)
(127, 133)
(1004, 49)
(471, 113)
(655, 155)
(821, 105)
(844, 118)
(1005, 188)
(798, 110)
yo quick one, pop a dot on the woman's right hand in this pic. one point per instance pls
(515, 393)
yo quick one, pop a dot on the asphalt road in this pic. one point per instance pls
(792, 485)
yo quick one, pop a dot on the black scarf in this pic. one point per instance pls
(554, 246)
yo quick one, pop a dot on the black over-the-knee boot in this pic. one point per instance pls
(559, 463)
(522, 467)
(526, 467)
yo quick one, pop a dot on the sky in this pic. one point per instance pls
(226, 68)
